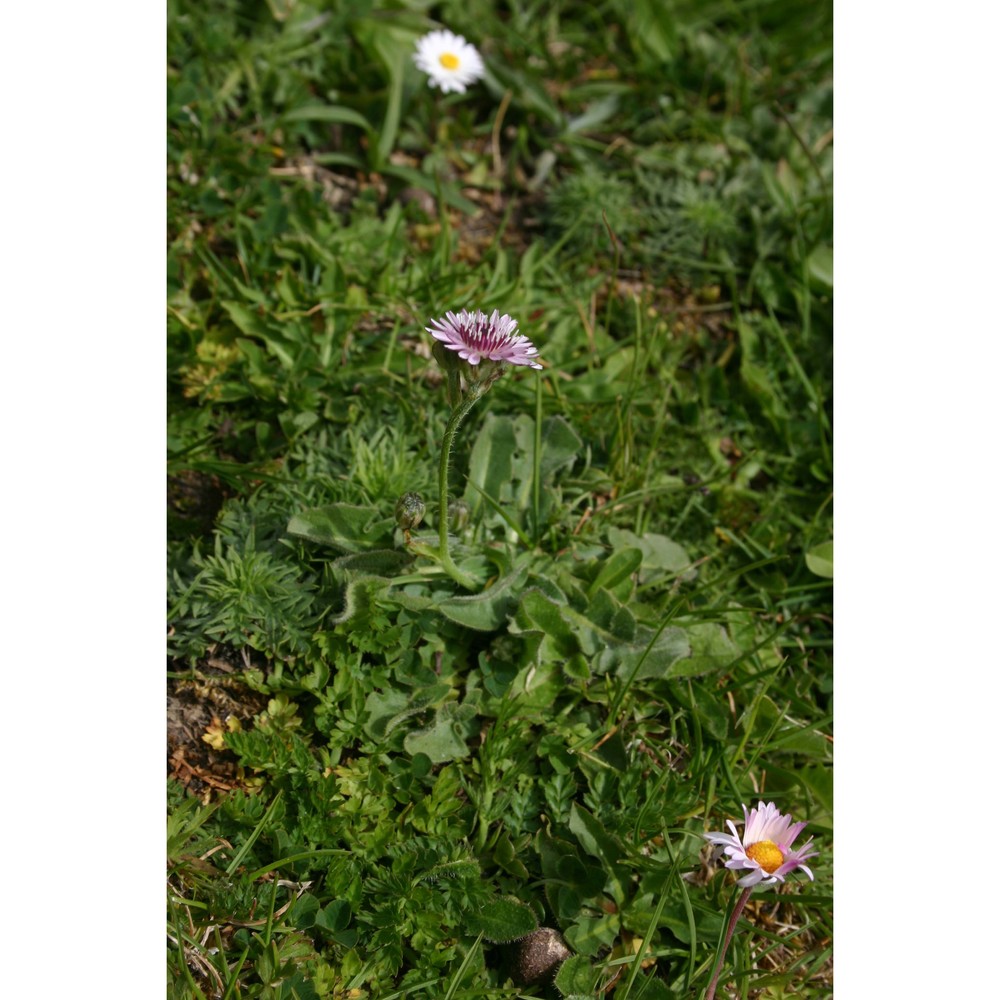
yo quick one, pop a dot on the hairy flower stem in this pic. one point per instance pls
(457, 416)
(737, 910)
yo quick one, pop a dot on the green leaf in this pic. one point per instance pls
(250, 322)
(620, 565)
(491, 462)
(596, 841)
(648, 987)
(380, 707)
(358, 598)
(377, 562)
(449, 193)
(560, 445)
(486, 611)
(714, 716)
(820, 560)
(327, 113)
(595, 114)
(342, 526)
(655, 30)
(386, 710)
(446, 739)
(418, 702)
(390, 124)
(789, 735)
(571, 881)
(712, 650)
(586, 878)
(612, 751)
(538, 685)
(465, 869)
(820, 264)
(501, 921)
(593, 838)
(659, 553)
(819, 779)
(588, 935)
(335, 916)
(602, 635)
(576, 977)
(506, 856)
(246, 320)
(665, 658)
(391, 45)
(759, 384)
(538, 611)
(303, 913)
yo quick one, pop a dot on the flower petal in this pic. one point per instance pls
(476, 336)
(764, 822)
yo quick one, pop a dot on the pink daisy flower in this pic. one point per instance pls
(476, 336)
(765, 850)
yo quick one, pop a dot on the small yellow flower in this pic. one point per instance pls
(215, 734)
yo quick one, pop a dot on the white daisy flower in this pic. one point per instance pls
(449, 60)
(765, 849)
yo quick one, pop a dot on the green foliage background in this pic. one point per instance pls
(419, 776)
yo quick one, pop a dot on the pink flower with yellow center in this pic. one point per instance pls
(475, 336)
(765, 849)
(449, 60)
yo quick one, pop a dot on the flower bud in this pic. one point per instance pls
(458, 515)
(410, 509)
(448, 360)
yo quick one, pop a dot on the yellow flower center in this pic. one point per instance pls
(767, 855)
(448, 60)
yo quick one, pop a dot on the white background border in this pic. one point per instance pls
(917, 223)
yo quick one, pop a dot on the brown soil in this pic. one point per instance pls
(198, 704)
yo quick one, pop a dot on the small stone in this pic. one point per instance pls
(538, 955)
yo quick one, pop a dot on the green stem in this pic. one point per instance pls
(536, 472)
(457, 416)
(737, 910)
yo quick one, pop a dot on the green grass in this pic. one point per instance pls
(401, 778)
